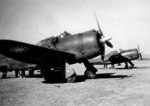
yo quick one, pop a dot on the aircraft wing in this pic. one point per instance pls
(33, 54)
(98, 61)
(14, 64)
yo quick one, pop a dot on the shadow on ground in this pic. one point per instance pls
(133, 68)
(81, 78)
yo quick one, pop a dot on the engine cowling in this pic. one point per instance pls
(83, 45)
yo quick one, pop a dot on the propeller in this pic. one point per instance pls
(139, 52)
(109, 44)
(104, 40)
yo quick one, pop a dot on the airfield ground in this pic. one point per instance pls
(113, 87)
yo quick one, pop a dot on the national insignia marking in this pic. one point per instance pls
(19, 49)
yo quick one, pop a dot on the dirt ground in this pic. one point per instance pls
(113, 87)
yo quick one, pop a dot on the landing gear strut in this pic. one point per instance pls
(90, 71)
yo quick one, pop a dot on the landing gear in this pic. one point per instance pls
(31, 72)
(71, 79)
(63, 73)
(105, 65)
(4, 71)
(126, 67)
(70, 74)
(90, 72)
(112, 66)
(48, 75)
(52, 76)
(131, 64)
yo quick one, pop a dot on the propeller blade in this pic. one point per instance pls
(99, 28)
(109, 44)
(141, 56)
(105, 39)
(103, 54)
(138, 47)
(140, 53)
(102, 57)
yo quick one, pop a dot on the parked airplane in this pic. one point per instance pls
(54, 56)
(117, 57)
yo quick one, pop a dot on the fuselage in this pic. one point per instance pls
(117, 57)
(131, 54)
(84, 45)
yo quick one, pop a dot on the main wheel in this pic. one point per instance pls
(71, 79)
(47, 75)
(31, 72)
(52, 77)
(126, 67)
(89, 74)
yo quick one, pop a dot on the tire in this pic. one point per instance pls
(53, 77)
(89, 74)
(71, 79)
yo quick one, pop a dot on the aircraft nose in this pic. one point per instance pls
(106, 41)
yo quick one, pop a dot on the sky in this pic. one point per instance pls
(126, 21)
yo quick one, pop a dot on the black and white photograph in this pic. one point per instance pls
(74, 53)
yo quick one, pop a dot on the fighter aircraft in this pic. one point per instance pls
(117, 57)
(54, 56)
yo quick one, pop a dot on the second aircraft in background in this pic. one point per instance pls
(117, 57)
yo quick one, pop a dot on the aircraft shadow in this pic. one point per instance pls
(7, 77)
(35, 76)
(124, 68)
(145, 59)
(142, 67)
(81, 78)
(132, 68)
